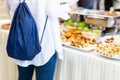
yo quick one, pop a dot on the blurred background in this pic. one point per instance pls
(3, 14)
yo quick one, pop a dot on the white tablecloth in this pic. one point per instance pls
(77, 65)
(7, 67)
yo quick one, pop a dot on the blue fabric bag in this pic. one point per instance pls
(23, 40)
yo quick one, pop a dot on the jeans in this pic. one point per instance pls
(88, 4)
(98, 4)
(45, 72)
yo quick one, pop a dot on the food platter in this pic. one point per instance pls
(109, 47)
(79, 37)
(89, 48)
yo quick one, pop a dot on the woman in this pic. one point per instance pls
(44, 62)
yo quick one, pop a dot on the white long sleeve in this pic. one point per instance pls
(51, 39)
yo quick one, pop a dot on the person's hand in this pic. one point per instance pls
(68, 1)
(71, 3)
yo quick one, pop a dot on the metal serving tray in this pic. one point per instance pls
(100, 21)
(96, 17)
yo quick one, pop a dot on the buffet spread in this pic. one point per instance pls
(79, 35)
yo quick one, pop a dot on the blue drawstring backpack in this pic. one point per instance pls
(23, 41)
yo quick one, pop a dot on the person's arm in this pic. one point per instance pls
(55, 9)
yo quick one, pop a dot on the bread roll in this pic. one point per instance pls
(6, 26)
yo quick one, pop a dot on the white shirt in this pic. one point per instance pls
(51, 39)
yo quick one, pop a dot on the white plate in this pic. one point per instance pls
(4, 21)
(116, 38)
(89, 48)
(115, 57)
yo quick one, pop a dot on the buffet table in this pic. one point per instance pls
(7, 68)
(77, 65)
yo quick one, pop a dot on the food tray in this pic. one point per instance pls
(97, 17)
(108, 49)
(86, 12)
(96, 13)
(100, 21)
(89, 48)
